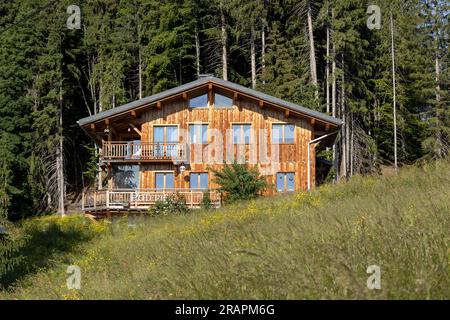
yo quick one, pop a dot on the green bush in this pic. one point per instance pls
(206, 201)
(10, 244)
(173, 204)
(240, 182)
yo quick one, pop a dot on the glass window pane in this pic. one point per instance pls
(199, 101)
(126, 177)
(280, 182)
(194, 181)
(289, 133)
(276, 133)
(158, 134)
(222, 101)
(159, 180)
(171, 134)
(170, 181)
(204, 133)
(192, 135)
(290, 181)
(203, 180)
(236, 133)
(247, 131)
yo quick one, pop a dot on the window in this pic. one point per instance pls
(285, 181)
(164, 180)
(241, 133)
(165, 138)
(283, 133)
(125, 177)
(200, 101)
(222, 101)
(199, 180)
(198, 133)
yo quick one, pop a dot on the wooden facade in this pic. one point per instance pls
(135, 129)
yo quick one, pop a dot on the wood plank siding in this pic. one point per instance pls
(126, 135)
(292, 156)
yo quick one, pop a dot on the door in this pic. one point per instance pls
(165, 139)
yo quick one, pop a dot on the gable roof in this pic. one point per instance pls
(200, 82)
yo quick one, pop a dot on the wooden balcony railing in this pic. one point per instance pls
(142, 199)
(119, 150)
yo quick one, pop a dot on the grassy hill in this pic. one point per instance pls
(300, 246)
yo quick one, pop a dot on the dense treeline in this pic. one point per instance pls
(320, 54)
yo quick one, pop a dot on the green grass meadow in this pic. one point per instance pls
(314, 245)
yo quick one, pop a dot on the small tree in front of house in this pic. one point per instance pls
(173, 204)
(240, 182)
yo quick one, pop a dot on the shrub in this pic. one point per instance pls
(206, 201)
(173, 204)
(239, 182)
(10, 244)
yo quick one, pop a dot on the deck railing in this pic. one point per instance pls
(142, 199)
(119, 150)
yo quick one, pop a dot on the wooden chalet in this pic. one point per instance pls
(168, 142)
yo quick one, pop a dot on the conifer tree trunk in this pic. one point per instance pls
(263, 48)
(197, 51)
(60, 151)
(327, 85)
(224, 46)
(333, 97)
(344, 126)
(312, 52)
(253, 57)
(438, 99)
(394, 98)
(140, 72)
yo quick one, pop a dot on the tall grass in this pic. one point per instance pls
(301, 246)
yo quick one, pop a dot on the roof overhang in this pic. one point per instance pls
(158, 99)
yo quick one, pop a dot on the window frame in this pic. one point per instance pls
(200, 125)
(165, 173)
(165, 125)
(242, 133)
(199, 174)
(197, 96)
(285, 177)
(224, 95)
(137, 177)
(283, 135)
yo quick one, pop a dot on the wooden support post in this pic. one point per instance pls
(210, 95)
(135, 129)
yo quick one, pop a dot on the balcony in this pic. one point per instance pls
(142, 199)
(119, 151)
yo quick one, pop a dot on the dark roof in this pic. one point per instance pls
(204, 80)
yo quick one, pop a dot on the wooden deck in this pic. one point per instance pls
(143, 151)
(141, 200)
